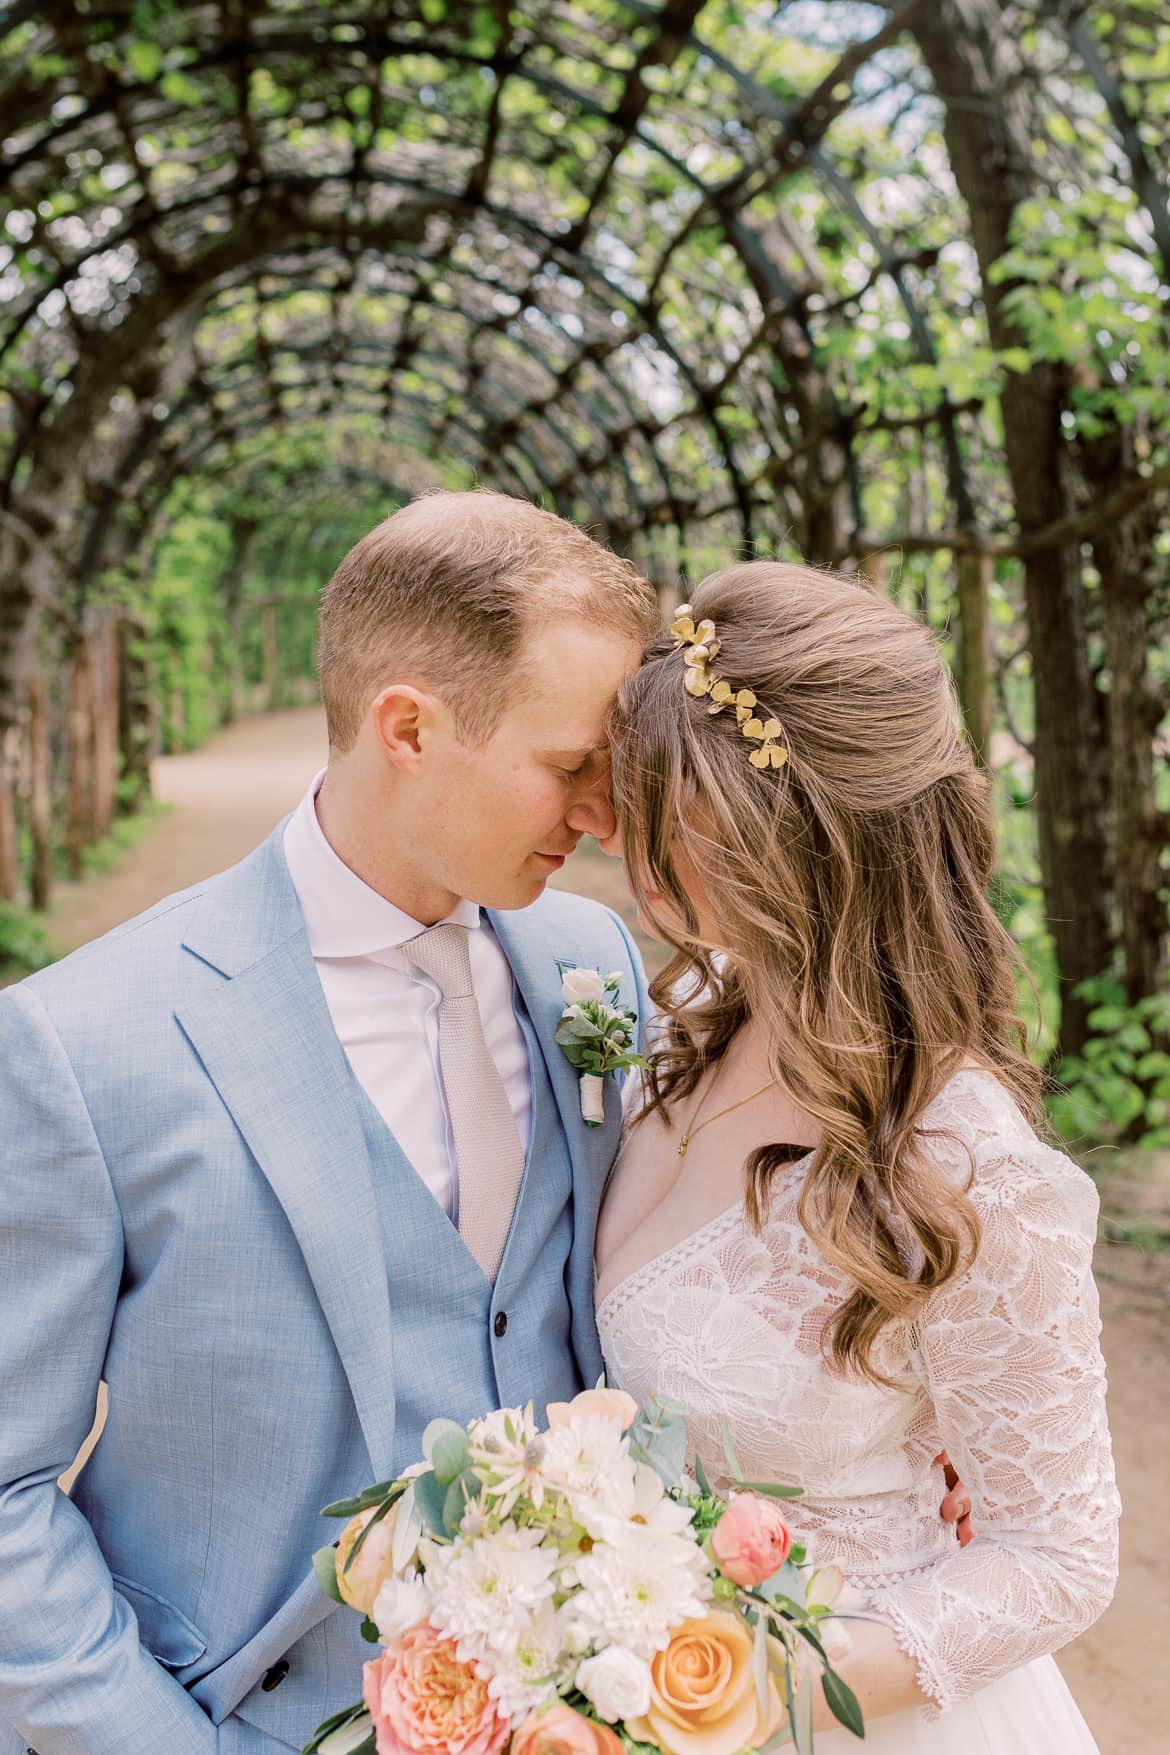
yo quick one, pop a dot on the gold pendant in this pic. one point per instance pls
(683, 1144)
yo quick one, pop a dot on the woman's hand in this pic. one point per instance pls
(956, 1506)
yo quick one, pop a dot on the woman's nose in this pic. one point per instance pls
(611, 844)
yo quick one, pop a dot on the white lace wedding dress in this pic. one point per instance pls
(1004, 1370)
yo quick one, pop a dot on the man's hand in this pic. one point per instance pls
(956, 1507)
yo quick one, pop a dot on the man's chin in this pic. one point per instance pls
(526, 888)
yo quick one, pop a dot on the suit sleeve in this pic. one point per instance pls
(74, 1677)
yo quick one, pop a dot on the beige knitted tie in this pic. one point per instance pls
(488, 1149)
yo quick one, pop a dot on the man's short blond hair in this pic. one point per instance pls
(447, 590)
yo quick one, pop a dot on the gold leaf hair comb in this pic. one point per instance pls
(700, 647)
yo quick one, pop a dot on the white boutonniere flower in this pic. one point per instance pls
(596, 1034)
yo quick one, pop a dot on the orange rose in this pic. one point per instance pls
(558, 1730)
(606, 1404)
(703, 1693)
(369, 1572)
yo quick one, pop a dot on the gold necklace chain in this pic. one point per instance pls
(691, 1130)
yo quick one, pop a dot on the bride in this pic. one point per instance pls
(834, 1229)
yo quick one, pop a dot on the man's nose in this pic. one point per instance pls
(593, 814)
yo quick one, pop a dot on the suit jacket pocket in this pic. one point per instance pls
(164, 1630)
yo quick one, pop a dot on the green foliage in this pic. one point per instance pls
(23, 945)
(1119, 1088)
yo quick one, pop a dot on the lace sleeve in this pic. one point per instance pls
(1012, 1356)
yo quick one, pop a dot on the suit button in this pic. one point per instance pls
(275, 1676)
(500, 1325)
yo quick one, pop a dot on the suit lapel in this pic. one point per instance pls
(268, 1045)
(591, 1149)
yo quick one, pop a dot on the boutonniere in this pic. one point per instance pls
(596, 1034)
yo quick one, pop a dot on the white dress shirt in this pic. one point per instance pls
(386, 1012)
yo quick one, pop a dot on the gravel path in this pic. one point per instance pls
(227, 796)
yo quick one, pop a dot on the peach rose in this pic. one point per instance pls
(605, 1404)
(423, 1701)
(751, 1540)
(558, 1730)
(703, 1694)
(373, 1566)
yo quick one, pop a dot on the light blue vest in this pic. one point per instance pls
(500, 1347)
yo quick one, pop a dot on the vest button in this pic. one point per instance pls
(500, 1325)
(275, 1676)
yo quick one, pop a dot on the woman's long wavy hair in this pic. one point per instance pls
(850, 887)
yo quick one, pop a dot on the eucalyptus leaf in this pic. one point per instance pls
(770, 1490)
(659, 1437)
(842, 1702)
(802, 1727)
(760, 1662)
(785, 1584)
(449, 1455)
(325, 1566)
(729, 1450)
(434, 1430)
(359, 1543)
(365, 1499)
(429, 1494)
(455, 1502)
(701, 1478)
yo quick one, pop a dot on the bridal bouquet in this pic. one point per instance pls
(559, 1591)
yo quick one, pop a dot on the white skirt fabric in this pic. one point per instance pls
(1029, 1712)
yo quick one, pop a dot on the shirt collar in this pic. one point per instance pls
(343, 916)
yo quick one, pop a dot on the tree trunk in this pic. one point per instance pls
(9, 841)
(104, 669)
(79, 809)
(136, 726)
(272, 677)
(231, 583)
(976, 72)
(1127, 561)
(976, 678)
(40, 799)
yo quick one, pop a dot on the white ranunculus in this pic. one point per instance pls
(580, 985)
(402, 1603)
(616, 1683)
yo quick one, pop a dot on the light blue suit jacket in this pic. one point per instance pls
(186, 1208)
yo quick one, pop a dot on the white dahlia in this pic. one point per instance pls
(636, 1586)
(527, 1676)
(486, 1590)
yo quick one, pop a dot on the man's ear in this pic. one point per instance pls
(404, 718)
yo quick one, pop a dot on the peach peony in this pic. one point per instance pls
(751, 1540)
(423, 1701)
(703, 1699)
(369, 1572)
(558, 1730)
(607, 1404)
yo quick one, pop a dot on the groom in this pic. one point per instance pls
(293, 1161)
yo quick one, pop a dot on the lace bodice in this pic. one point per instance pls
(1003, 1369)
